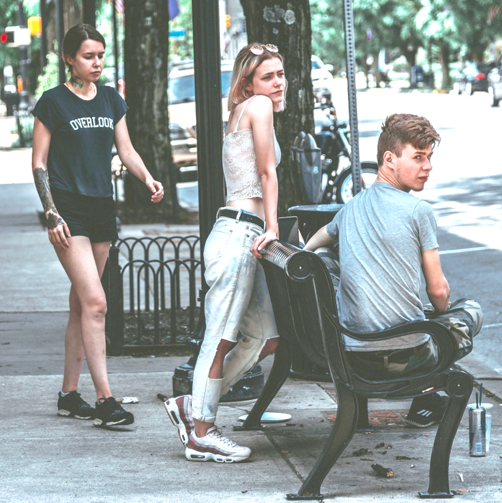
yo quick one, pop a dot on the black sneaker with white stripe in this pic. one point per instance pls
(110, 413)
(426, 410)
(73, 405)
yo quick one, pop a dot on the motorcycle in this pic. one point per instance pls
(333, 138)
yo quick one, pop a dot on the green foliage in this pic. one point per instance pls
(50, 78)
(182, 49)
(450, 28)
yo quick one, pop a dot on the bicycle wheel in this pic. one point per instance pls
(369, 172)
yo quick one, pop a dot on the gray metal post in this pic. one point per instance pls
(207, 69)
(60, 37)
(43, 36)
(352, 92)
(23, 61)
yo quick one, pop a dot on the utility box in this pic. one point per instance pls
(306, 156)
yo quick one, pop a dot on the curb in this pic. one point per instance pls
(492, 380)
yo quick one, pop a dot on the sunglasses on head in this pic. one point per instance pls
(259, 49)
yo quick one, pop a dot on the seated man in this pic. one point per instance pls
(386, 237)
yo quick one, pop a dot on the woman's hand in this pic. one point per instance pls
(157, 190)
(58, 230)
(261, 241)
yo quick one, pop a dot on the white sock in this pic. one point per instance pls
(64, 394)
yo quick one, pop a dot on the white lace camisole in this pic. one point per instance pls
(239, 163)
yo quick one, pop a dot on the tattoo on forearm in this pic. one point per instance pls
(53, 220)
(41, 177)
(76, 82)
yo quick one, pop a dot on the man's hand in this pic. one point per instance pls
(58, 230)
(157, 190)
(261, 241)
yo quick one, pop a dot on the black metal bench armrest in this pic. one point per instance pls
(443, 338)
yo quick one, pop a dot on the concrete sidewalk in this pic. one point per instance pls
(46, 458)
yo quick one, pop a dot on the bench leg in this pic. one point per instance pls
(341, 434)
(459, 389)
(363, 423)
(278, 375)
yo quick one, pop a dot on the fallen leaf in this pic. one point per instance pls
(284, 452)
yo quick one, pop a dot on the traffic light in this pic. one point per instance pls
(7, 37)
(228, 21)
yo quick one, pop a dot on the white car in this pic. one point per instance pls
(182, 117)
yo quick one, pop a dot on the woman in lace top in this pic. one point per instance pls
(237, 300)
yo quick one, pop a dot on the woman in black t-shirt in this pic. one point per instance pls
(75, 127)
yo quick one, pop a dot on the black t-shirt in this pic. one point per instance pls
(80, 155)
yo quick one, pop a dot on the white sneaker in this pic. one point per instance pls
(179, 411)
(216, 447)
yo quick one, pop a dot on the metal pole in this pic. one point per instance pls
(115, 45)
(60, 37)
(43, 36)
(23, 60)
(89, 12)
(352, 92)
(207, 69)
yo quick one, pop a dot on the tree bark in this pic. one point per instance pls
(287, 25)
(146, 47)
(444, 51)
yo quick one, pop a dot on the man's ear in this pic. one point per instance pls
(388, 159)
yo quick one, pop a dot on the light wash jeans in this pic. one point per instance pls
(237, 300)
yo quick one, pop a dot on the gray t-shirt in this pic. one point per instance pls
(382, 233)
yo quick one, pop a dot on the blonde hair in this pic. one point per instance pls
(245, 65)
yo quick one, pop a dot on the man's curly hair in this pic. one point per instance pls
(398, 130)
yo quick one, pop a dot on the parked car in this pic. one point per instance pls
(472, 78)
(182, 118)
(495, 84)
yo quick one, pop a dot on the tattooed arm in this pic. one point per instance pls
(58, 230)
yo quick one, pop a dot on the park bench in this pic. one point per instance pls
(303, 299)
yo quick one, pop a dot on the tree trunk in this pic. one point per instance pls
(411, 58)
(287, 25)
(146, 47)
(444, 54)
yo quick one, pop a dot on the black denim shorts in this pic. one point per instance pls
(93, 217)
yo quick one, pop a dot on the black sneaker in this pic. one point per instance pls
(72, 405)
(426, 410)
(110, 413)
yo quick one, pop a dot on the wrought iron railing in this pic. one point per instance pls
(151, 284)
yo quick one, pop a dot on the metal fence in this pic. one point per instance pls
(151, 284)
